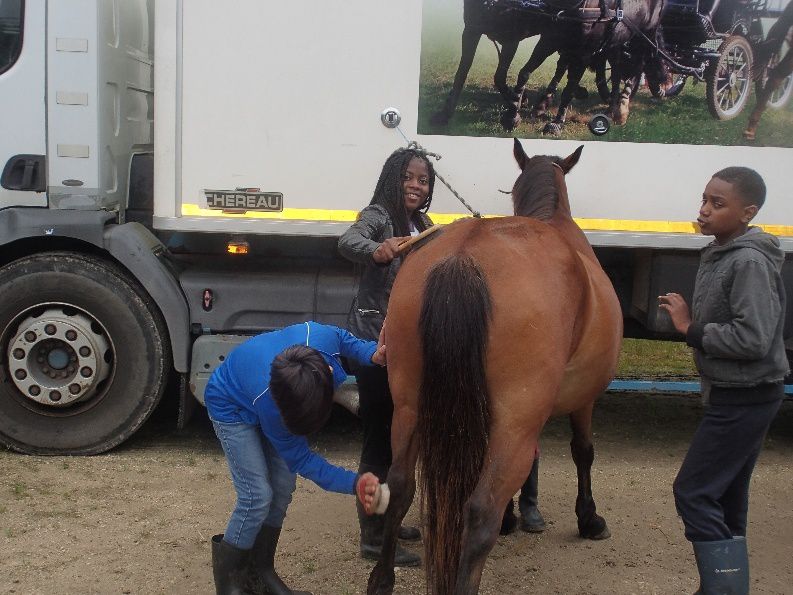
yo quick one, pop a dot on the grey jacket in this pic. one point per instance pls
(738, 312)
(358, 244)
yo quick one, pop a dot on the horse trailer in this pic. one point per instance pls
(175, 176)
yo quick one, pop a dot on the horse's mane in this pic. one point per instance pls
(535, 193)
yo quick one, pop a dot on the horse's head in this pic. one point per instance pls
(540, 188)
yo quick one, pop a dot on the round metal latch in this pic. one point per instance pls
(599, 124)
(390, 117)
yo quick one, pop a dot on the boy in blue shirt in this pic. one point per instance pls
(269, 393)
(735, 327)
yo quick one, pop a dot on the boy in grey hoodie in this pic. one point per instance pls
(735, 327)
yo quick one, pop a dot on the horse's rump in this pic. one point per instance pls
(486, 294)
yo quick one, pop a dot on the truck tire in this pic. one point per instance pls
(85, 355)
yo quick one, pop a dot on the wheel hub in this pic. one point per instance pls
(57, 359)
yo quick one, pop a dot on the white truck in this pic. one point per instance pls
(175, 177)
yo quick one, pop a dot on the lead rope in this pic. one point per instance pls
(417, 147)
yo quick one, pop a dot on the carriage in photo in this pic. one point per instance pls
(712, 41)
(716, 41)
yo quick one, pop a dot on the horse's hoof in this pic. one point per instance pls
(749, 134)
(581, 94)
(620, 116)
(510, 120)
(596, 529)
(553, 128)
(604, 534)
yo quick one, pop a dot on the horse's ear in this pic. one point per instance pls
(520, 154)
(569, 162)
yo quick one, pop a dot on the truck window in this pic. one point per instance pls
(10, 32)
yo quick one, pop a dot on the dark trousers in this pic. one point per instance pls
(376, 410)
(712, 487)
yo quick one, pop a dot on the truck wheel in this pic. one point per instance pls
(84, 355)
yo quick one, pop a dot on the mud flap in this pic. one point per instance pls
(187, 404)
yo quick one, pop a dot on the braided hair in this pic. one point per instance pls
(389, 194)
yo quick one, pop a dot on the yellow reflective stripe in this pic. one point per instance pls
(633, 225)
(339, 215)
(189, 210)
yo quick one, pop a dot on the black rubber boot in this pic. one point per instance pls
(229, 567)
(530, 518)
(508, 521)
(408, 533)
(723, 566)
(264, 579)
(372, 539)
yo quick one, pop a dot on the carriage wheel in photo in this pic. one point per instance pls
(728, 79)
(782, 93)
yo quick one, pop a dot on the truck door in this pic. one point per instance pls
(22, 104)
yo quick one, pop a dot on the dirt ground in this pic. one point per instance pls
(139, 519)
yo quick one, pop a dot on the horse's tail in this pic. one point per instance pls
(453, 418)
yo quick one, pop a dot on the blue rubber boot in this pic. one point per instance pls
(723, 566)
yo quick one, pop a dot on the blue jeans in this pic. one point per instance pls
(261, 478)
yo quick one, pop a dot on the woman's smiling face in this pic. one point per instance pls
(415, 184)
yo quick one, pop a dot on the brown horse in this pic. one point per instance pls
(493, 327)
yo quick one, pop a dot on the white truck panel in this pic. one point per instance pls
(286, 97)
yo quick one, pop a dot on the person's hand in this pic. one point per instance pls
(388, 250)
(379, 357)
(366, 490)
(678, 310)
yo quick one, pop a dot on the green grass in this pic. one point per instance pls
(655, 359)
(682, 119)
(309, 567)
(20, 490)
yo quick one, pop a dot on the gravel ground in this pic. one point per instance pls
(139, 519)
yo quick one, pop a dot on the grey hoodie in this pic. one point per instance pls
(738, 312)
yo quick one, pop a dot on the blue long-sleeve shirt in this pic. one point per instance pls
(239, 392)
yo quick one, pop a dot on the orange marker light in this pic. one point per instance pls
(237, 247)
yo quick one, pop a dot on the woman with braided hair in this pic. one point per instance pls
(396, 211)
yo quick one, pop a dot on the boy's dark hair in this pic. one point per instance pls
(388, 192)
(301, 385)
(746, 182)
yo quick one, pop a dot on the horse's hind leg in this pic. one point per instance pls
(543, 103)
(470, 40)
(502, 475)
(590, 524)
(510, 118)
(543, 49)
(575, 71)
(505, 57)
(402, 485)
